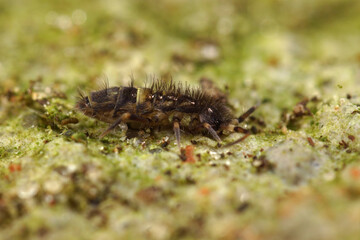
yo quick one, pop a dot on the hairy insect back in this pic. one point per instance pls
(170, 97)
(163, 104)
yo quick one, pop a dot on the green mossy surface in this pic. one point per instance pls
(297, 178)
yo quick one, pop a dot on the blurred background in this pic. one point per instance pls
(288, 47)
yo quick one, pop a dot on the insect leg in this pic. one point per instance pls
(112, 126)
(240, 130)
(212, 132)
(247, 113)
(123, 118)
(237, 141)
(177, 132)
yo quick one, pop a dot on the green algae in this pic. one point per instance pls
(59, 180)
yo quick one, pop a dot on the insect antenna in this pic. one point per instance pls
(82, 100)
(247, 113)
